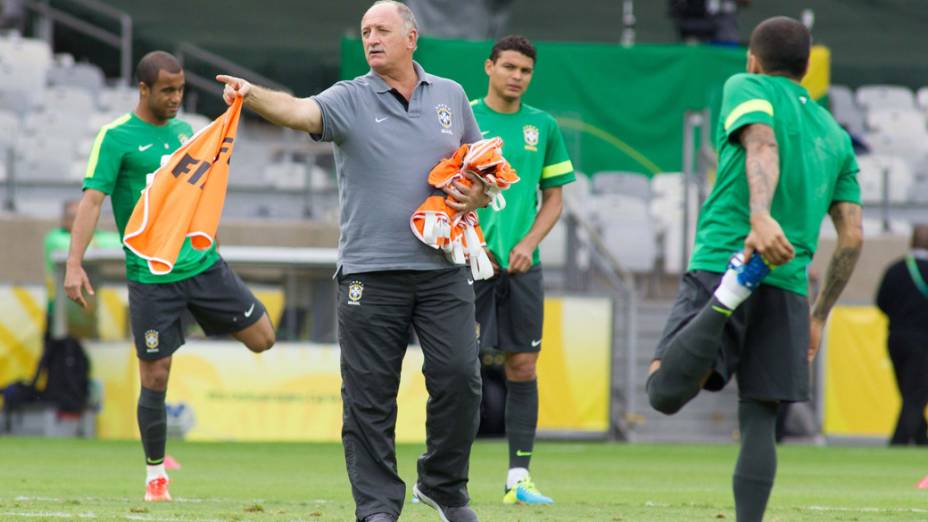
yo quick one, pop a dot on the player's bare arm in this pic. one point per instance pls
(762, 164)
(277, 107)
(88, 213)
(552, 202)
(847, 221)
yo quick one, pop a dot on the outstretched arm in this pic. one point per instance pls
(847, 220)
(277, 107)
(762, 165)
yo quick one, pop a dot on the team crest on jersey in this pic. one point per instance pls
(151, 340)
(530, 133)
(183, 138)
(444, 117)
(355, 291)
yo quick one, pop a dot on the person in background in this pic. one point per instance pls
(903, 297)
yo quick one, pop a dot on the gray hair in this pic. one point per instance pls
(406, 14)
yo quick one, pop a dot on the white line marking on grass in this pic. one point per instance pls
(864, 509)
(47, 514)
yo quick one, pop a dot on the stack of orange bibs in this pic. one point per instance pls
(458, 234)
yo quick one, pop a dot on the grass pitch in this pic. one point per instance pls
(47, 479)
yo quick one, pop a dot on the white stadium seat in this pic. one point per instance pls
(118, 99)
(896, 121)
(870, 178)
(880, 97)
(845, 109)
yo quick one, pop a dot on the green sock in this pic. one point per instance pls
(521, 421)
(687, 359)
(153, 425)
(757, 461)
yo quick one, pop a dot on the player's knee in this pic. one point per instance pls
(523, 371)
(262, 342)
(662, 401)
(521, 366)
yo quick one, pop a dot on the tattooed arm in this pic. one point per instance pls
(847, 220)
(762, 165)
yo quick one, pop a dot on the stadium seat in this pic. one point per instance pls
(54, 123)
(25, 63)
(575, 193)
(286, 174)
(896, 121)
(880, 97)
(197, 121)
(86, 76)
(870, 178)
(43, 158)
(553, 249)
(845, 109)
(98, 119)
(118, 99)
(626, 227)
(9, 128)
(72, 101)
(922, 98)
(628, 183)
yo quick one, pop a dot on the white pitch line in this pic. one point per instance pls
(865, 509)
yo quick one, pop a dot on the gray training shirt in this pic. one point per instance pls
(383, 155)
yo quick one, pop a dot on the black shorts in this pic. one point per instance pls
(510, 311)
(217, 298)
(765, 341)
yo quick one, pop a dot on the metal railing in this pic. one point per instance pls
(697, 161)
(581, 233)
(122, 40)
(190, 55)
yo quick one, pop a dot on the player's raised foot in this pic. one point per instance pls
(741, 279)
(156, 490)
(525, 492)
(446, 513)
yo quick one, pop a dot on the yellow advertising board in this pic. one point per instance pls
(861, 399)
(221, 391)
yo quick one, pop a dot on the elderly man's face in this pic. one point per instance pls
(386, 42)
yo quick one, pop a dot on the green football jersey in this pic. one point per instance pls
(125, 151)
(817, 168)
(533, 145)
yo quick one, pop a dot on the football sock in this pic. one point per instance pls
(688, 359)
(153, 425)
(521, 420)
(730, 292)
(153, 472)
(515, 476)
(757, 461)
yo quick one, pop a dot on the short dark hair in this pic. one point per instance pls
(513, 42)
(782, 46)
(154, 62)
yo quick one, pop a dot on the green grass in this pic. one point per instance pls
(47, 479)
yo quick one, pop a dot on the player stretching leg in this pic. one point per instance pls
(783, 164)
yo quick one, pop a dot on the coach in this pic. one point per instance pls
(389, 128)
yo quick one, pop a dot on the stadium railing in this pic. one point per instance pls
(121, 41)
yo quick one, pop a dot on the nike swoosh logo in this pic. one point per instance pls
(378, 120)
(470, 282)
(484, 133)
(250, 310)
(536, 343)
(520, 453)
(143, 148)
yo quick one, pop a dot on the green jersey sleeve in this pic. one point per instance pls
(104, 162)
(744, 101)
(847, 188)
(557, 169)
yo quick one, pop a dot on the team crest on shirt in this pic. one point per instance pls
(530, 133)
(183, 138)
(151, 340)
(444, 117)
(355, 290)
